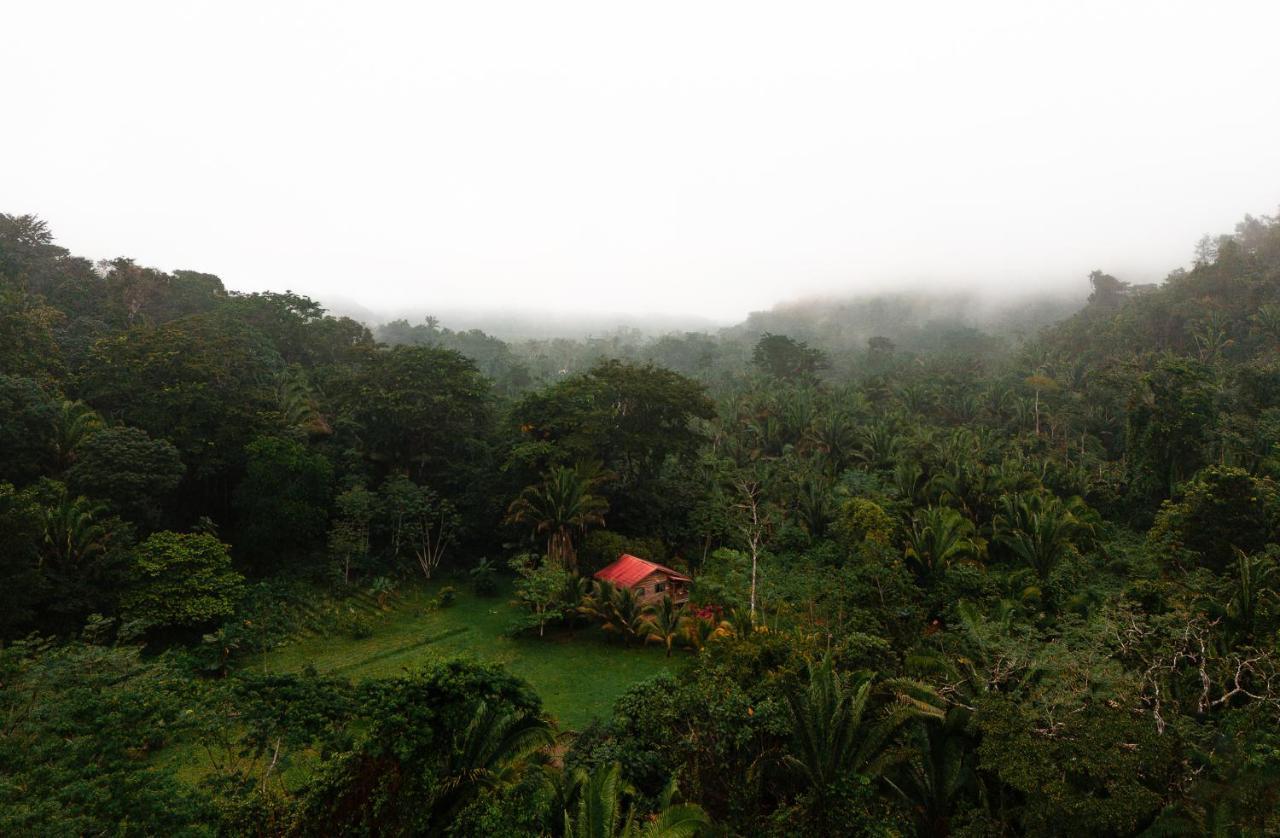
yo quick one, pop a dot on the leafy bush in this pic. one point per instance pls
(354, 625)
(445, 598)
(484, 578)
(181, 579)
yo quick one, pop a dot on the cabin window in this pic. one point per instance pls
(659, 588)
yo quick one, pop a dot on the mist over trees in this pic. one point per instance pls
(957, 568)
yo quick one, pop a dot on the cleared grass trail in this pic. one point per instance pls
(579, 676)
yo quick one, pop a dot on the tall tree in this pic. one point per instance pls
(562, 504)
(787, 358)
(181, 580)
(283, 501)
(201, 382)
(129, 470)
(832, 740)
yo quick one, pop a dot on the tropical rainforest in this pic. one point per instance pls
(1021, 579)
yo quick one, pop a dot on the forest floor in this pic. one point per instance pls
(579, 674)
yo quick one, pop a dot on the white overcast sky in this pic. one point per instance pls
(689, 157)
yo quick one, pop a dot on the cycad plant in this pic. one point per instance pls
(74, 532)
(1251, 591)
(938, 537)
(832, 435)
(833, 736)
(600, 812)
(493, 751)
(1041, 530)
(937, 772)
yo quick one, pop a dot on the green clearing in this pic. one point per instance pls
(578, 675)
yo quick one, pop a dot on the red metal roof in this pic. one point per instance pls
(628, 570)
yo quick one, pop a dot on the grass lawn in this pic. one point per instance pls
(579, 676)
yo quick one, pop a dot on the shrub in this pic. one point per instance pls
(1221, 509)
(484, 578)
(354, 625)
(447, 596)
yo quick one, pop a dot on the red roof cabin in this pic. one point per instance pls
(650, 580)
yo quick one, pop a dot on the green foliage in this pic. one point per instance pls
(355, 625)
(484, 577)
(199, 382)
(859, 521)
(666, 624)
(628, 418)
(540, 589)
(350, 532)
(562, 504)
(617, 610)
(784, 357)
(1220, 509)
(422, 410)
(1041, 530)
(80, 721)
(282, 501)
(22, 586)
(28, 343)
(432, 741)
(832, 740)
(1170, 413)
(964, 511)
(938, 537)
(181, 580)
(127, 468)
(28, 419)
(599, 812)
(80, 550)
(1099, 770)
(417, 522)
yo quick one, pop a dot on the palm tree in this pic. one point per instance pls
(813, 505)
(73, 533)
(908, 479)
(832, 436)
(832, 739)
(600, 814)
(916, 399)
(1250, 590)
(73, 422)
(382, 587)
(1041, 530)
(1212, 337)
(879, 446)
(939, 536)
(493, 751)
(618, 610)
(666, 623)
(484, 576)
(298, 405)
(699, 631)
(558, 506)
(1266, 322)
(575, 591)
(937, 772)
